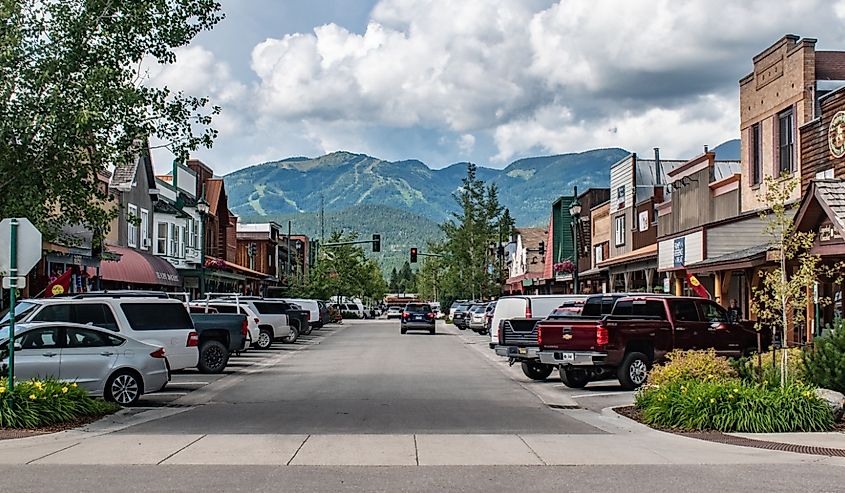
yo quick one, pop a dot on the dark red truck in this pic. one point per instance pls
(638, 333)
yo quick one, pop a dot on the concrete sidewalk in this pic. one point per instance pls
(650, 447)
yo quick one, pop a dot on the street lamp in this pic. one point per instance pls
(575, 213)
(203, 210)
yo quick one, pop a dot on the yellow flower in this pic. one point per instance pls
(712, 401)
(73, 385)
(64, 390)
(736, 390)
(2, 390)
(730, 396)
(32, 397)
(38, 385)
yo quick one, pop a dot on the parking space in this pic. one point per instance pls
(184, 382)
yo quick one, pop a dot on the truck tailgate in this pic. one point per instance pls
(520, 332)
(575, 334)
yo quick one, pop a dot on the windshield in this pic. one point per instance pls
(21, 310)
(418, 309)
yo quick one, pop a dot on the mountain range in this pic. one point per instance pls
(371, 195)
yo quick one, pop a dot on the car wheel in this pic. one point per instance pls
(292, 336)
(123, 387)
(213, 357)
(307, 330)
(633, 371)
(402, 330)
(265, 339)
(574, 378)
(536, 371)
(432, 331)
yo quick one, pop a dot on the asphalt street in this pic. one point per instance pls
(367, 378)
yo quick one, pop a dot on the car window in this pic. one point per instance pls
(54, 313)
(418, 309)
(157, 316)
(77, 338)
(641, 308)
(268, 308)
(21, 310)
(45, 338)
(97, 314)
(713, 312)
(685, 311)
(225, 308)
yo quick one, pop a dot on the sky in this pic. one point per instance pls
(487, 81)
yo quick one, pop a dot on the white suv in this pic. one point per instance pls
(158, 321)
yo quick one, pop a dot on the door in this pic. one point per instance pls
(690, 331)
(88, 357)
(39, 353)
(724, 337)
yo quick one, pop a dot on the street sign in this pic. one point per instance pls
(29, 246)
(18, 282)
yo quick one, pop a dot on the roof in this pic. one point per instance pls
(746, 255)
(830, 195)
(638, 254)
(123, 176)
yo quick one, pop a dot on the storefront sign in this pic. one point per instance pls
(643, 220)
(679, 252)
(836, 135)
(828, 233)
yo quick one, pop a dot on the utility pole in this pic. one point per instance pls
(322, 218)
(288, 262)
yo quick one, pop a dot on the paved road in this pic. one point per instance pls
(366, 378)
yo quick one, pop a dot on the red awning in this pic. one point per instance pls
(139, 268)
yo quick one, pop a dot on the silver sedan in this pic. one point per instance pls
(103, 362)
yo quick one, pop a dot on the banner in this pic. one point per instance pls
(696, 286)
(60, 285)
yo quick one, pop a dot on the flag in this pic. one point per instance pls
(59, 286)
(696, 286)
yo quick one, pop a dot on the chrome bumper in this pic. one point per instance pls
(572, 358)
(517, 352)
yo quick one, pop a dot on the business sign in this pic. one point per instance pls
(836, 135)
(679, 252)
(828, 233)
(643, 220)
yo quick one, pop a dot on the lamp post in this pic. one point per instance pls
(202, 209)
(575, 213)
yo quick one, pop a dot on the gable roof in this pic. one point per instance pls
(123, 176)
(830, 195)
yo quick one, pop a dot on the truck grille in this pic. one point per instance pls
(513, 336)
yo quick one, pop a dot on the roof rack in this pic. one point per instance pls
(120, 294)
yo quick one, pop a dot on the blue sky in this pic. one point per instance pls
(489, 81)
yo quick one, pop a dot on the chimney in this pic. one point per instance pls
(706, 149)
(658, 168)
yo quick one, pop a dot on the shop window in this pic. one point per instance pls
(619, 230)
(786, 142)
(756, 148)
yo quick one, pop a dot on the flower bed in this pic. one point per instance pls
(41, 403)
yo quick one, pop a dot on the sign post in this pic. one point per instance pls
(24, 239)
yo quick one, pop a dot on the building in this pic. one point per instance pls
(526, 264)
(590, 280)
(778, 97)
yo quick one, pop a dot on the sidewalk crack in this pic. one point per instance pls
(181, 449)
(53, 452)
(416, 450)
(533, 451)
(297, 450)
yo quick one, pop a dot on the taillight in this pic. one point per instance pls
(406, 315)
(193, 339)
(308, 316)
(158, 353)
(244, 328)
(430, 314)
(539, 335)
(501, 330)
(527, 311)
(602, 337)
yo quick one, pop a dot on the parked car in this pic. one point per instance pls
(454, 306)
(638, 333)
(352, 309)
(313, 307)
(158, 321)
(394, 312)
(252, 320)
(220, 335)
(475, 318)
(104, 363)
(524, 306)
(417, 316)
(325, 317)
(459, 316)
(518, 340)
(275, 324)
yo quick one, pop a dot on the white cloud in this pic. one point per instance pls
(466, 143)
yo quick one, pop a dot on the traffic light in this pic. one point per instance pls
(542, 248)
(413, 255)
(376, 243)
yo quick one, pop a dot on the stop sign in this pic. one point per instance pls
(29, 245)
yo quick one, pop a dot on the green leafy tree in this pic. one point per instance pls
(394, 281)
(73, 99)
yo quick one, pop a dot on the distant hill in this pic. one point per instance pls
(400, 229)
(344, 179)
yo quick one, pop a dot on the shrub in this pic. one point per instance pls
(768, 374)
(733, 406)
(38, 403)
(701, 366)
(824, 365)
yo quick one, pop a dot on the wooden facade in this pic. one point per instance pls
(818, 160)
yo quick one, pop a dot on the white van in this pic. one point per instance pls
(158, 321)
(523, 306)
(312, 306)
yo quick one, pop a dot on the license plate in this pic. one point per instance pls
(522, 350)
(418, 318)
(567, 356)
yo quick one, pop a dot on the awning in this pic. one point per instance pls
(638, 254)
(742, 259)
(138, 268)
(597, 272)
(212, 261)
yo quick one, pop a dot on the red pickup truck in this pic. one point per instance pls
(639, 332)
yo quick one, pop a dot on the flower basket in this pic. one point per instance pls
(565, 267)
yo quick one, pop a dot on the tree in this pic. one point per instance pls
(73, 100)
(406, 279)
(394, 281)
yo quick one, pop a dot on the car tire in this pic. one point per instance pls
(574, 378)
(536, 371)
(213, 357)
(307, 331)
(292, 336)
(633, 371)
(432, 331)
(265, 339)
(402, 330)
(123, 387)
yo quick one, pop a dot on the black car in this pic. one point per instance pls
(459, 318)
(418, 316)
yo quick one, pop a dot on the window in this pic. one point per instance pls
(599, 253)
(46, 338)
(825, 175)
(421, 309)
(173, 241)
(54, 313)
(225, 308)
(132, 232)
(197, 239)
(619, 230)
(620, 196)
(97, 314)
(145, 228)
(270, 308)
(713, 312)
(685, 311)
(641, 308)
(786, 142)
(77, 338)
(157, 316)
(756, 148)
(161, 239)
(192, 238)
(181, 241)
